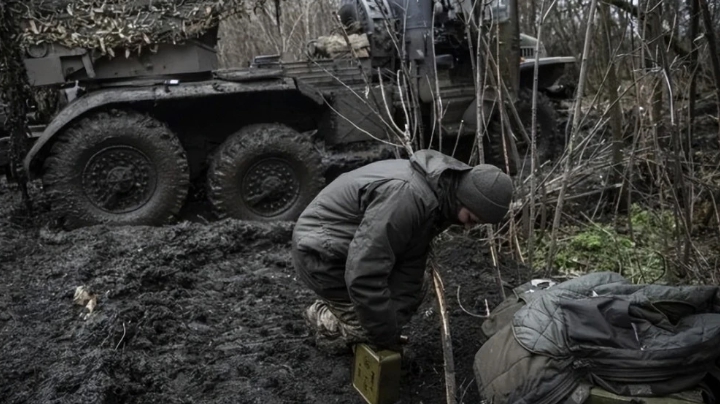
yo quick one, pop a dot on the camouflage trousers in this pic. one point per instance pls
(336, 324)
(335, 321)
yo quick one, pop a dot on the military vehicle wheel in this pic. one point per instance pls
(264, 172)
(117, 167)
(548, 140)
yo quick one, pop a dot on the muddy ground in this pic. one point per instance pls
(197, 313)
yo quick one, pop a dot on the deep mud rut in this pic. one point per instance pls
(198, 313)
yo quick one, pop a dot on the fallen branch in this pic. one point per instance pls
(468, 312)
(445, 336)
(122, 338)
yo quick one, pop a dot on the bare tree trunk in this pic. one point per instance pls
(479, 67)
(612, 96)
(649, 50)
(508, 51)
(573, 135)
(712, 43)
(670, 19)
(694, 31)
(653, 38)
(681, 191)
(533, 136)
(532, 15)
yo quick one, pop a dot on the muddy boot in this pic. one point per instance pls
(326, 329)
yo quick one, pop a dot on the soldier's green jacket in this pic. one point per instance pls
(376, 223)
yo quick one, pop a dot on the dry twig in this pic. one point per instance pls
(487, 307)
(450, 386)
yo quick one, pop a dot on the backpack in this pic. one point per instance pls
(552, 343)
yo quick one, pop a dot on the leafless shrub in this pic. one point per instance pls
(269, 30)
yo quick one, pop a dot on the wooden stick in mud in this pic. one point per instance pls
(445, 337)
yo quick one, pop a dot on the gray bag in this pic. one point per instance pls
(599, 330)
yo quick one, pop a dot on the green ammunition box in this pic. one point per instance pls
(376, 375)
(600, 396)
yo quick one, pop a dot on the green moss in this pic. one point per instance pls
(601, 247)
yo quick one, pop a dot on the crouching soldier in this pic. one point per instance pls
(362, 243)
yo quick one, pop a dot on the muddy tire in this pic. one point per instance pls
(549, 141)
(264, 172)
(117, 168)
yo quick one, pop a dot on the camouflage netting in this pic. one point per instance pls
(131, 25)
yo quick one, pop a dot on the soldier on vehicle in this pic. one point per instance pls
(362, 244)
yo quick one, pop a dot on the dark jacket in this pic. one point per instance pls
(600, 329)
(377, 223)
